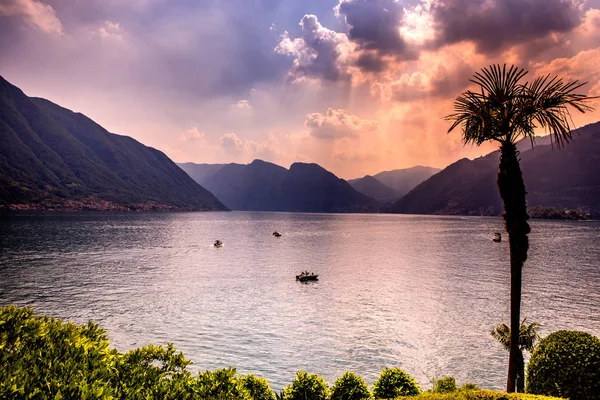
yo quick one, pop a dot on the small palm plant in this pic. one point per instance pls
(504, 110)
(528, 337)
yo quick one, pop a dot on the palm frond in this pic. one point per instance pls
(473, 114)
(506, 110)
(547, 100)
(499, 83)
(528, 335)
(502, 334)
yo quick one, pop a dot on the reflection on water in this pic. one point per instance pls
(419, 292)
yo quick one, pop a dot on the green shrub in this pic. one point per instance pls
(306, 387)
(152, 372)
(350, 387)
(469, 386)
(222, 384)
(394, 382)
(258, 388)
(44, 358)
(566, 364)
(445, 385)
(477, 395)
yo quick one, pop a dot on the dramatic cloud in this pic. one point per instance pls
(417, 24)
(110, 31)
(319, 52)
(495, 24)
(267, 150)
(35, 13)
(374, 24)
(370, 62)
(232, 143)
(200, 49)
(441, 74)
(242, 104)
(583, 67)
(337, 124)
(193, 135)
(586, 36)
(381, 73)
(250, 149)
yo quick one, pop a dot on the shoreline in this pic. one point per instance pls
(95, 205)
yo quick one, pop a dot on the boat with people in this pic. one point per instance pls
(307, 276)
(497, 237)
(218, 243)
(276, 234)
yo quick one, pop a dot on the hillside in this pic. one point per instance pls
(371, 187)
(53, 156)
(563, 178)
(263, 186)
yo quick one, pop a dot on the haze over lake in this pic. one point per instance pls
(419, 292)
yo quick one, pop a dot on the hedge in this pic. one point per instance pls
(477, 395)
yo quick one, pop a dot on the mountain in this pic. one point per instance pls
(371, 187)
(256, 186)
(52, 155)
(200, 172)
(263, 186)
(310, 187)
(404, 180)
(564, 178)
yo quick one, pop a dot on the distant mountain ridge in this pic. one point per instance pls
(563, 178)
(264, 186)
(390, 185)
(51, 154)
(371, 187)
(200, 172)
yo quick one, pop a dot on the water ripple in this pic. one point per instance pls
(417, 292)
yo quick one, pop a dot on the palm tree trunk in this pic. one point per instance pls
(521, 374)
(512, 191)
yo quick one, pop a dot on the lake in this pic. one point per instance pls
(417, 292)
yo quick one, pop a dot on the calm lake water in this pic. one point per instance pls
(418, 292)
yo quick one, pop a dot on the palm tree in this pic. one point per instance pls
(504, 110)
(528, 337)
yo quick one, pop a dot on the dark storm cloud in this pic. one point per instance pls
(201, 48)
(494, 24)
(369, 62)
(374, 24)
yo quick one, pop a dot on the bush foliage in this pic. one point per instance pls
(350, 387)
(306, 387)
(394, 382)
(477, 395)
(45, 358)
(258, 388)
(566, 364)
(446, 384)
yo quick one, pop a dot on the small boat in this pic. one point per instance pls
(218, 243)
(305, 276)
(497, 237)
(276, 234)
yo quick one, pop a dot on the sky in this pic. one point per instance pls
(358, 86)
